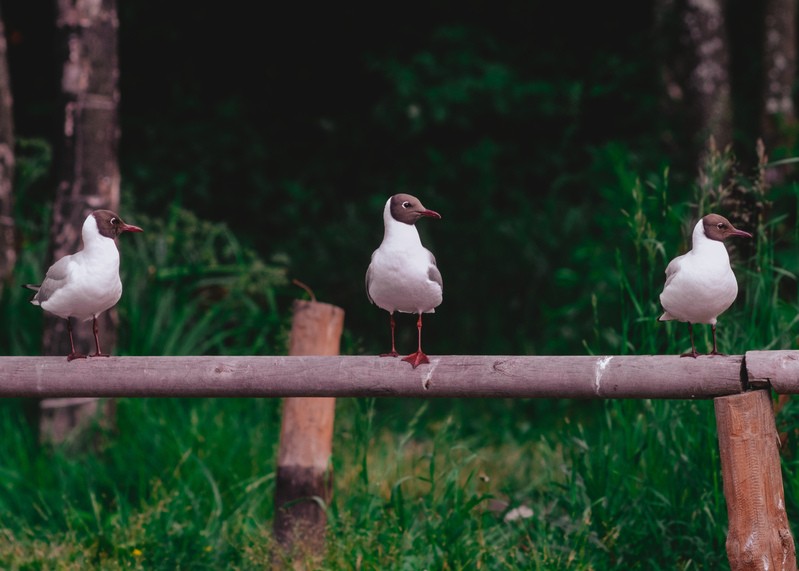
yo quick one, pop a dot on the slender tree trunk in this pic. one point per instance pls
(88, 169)
(709, 77)
(696, 66)
(779, 68)
(779, 64)
(8, 250)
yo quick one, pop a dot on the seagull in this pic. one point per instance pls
(403, 275)
(84, 284)
(700, 284)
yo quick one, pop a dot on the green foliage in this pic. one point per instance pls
(21, 332)
(650, 448)
(418, 484)
(192, 288)
(34, 158)
(160, 493)
(473, 115)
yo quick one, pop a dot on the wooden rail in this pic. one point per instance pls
(464, 376)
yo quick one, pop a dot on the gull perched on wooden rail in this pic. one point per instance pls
(84, 284)
(403, 275)
(700, 284)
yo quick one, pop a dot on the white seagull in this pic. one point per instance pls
(403, 275)
(84, 284)
(700, 285)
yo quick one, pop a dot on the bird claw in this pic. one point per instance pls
(714, 353)
(693, 354)
(416, 359)
(72, 356)
(390, 354)
(100, 355)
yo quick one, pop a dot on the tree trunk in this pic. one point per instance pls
(8, 251)
(88, 169)
(696, 68)
(709, 79)
(779, 64)
(779, 69)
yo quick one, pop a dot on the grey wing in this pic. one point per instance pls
(368, 283)
(55, 278)
(672, 269)
(432, 272)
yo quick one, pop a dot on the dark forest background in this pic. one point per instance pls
(525, 124)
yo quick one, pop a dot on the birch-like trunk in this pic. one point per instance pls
(8, 252)
(88, 168)
(696, 67)
(779, 64)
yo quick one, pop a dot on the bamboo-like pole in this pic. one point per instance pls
(759, 536)
(304, 479)
(452, 376)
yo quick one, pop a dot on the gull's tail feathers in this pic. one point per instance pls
(33, 287)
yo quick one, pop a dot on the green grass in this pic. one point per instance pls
(188, 484)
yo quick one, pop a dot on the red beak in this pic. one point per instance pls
(431, 214)
(741, 233)
(129, 228)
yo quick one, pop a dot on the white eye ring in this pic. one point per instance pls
(406, 204)
(720, 225)
(114, 221)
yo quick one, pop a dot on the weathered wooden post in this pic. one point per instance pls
(306, 437)
(65, 420)
(759, 536)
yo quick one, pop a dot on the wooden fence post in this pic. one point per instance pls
(759, 536)
(306, 437)
(64, 420)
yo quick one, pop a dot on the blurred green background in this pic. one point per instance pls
(525, 124)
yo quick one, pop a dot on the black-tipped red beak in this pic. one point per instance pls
(430, 213)
(740, 233)
(129, 228)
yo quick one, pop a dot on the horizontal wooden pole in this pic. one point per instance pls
(460, 376)
(776, 369)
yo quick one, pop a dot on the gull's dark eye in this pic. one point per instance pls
(720, 225)
(114, 221)
(406, 204)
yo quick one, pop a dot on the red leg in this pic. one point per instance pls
(393, 352)
(74, 354)
(693, 352)
(418, 358)
(97, 339)
(715, 350)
